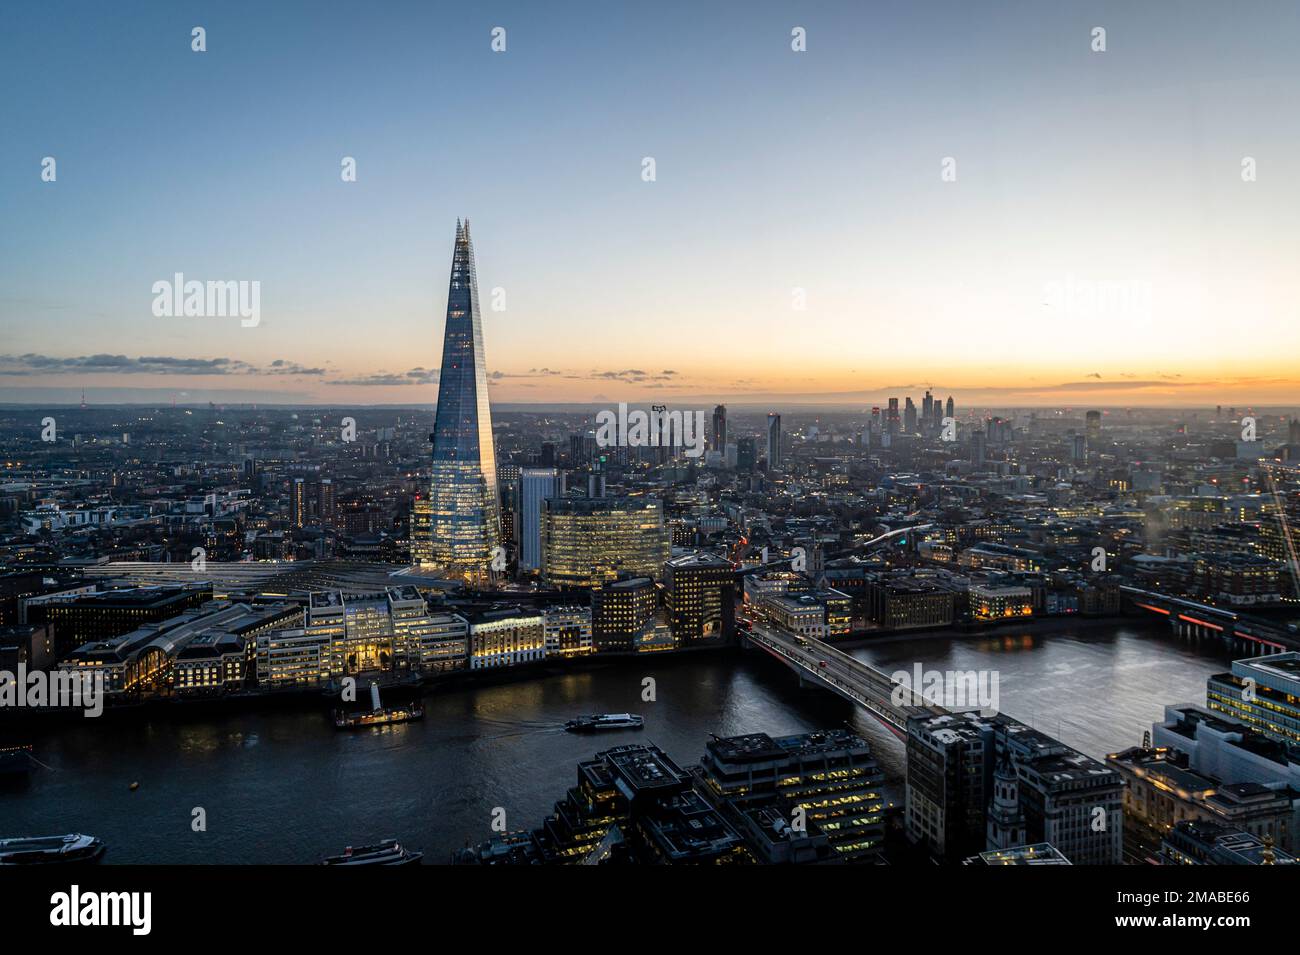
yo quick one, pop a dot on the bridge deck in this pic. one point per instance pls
(843, 674)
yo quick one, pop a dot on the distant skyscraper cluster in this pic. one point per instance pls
(888, 423)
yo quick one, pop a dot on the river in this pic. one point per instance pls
(285, 787)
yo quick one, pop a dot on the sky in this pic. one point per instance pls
(799, 241)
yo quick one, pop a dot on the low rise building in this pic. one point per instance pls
(1040, 853)
(1197, 842)
(388, 632)
(568, 631)
(1261, 692)
(906, 602)
(990, 603)
(506, 636)
(791, 793)
(156, 659)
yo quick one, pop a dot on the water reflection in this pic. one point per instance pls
(284, 786)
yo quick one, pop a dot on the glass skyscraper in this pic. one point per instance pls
(464, 517)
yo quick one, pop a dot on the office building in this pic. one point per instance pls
(464, 506)
(989, 603)
(362, 635)
(700, 597)
(506, 636)
(144, 662)
(420, 534)
(621, 613)
(774, 442)
(1198, 842)
(1164, 787)
(1092, 421)
(718, 440)
(1262, 693)
(631, 805)
(901, 602)
(746, 454)
(589, 542)
(1064, 798)
(568, 631)
(536, 486)
(85, 618)
(1227, 750)
(1040, 853)
(828, 782)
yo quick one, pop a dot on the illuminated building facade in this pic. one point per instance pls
(348, 635)
(421, 530)
(298, 502)
(203, 650)
(801, 613)
(506, 637)
(212, 662)
(700, 595)
(590, 542)
(464, 516)
(568, 631)
(830, 776)
(621, 612)
(989, 602)
(1271, 705)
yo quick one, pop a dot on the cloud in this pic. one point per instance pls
(416, 376)
(1104, 385)
(32, 364)
(283, 367)
(633, 376)
(102, 364)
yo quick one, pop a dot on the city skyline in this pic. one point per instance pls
(1096, 247)
(850, 435)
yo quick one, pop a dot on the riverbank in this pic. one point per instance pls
(14, 722)
(280, 785)
(1035, 625)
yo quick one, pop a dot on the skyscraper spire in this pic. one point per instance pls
(464, 511)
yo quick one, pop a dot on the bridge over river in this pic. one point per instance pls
(823, 665)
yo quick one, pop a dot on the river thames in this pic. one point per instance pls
(286, 787)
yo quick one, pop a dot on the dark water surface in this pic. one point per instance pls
(284, 786)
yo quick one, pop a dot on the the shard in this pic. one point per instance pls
(464, 516)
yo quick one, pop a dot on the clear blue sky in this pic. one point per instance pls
(775, 170)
